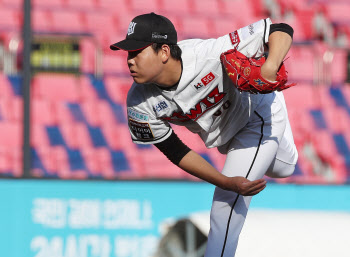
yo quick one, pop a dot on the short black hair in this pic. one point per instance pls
(175, 50)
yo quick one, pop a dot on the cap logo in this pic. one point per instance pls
(131, 28)
(156, 35)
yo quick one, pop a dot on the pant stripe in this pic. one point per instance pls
(251, 166)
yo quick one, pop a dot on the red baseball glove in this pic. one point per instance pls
(246, 76)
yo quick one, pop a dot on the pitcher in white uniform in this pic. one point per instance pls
(184, 83)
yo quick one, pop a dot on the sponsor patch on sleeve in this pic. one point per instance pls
(135, 115)
(141, 130)
(234, 37)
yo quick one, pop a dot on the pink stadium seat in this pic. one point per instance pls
(62, 113)
(117, 136)
(98, 22)
(103, 157)
(9, 18)
(181, 7)
(11, 135)
(338, 66)
(92, 162)
(324, 98)
(106, 112)
(5, 87)
(87, 92)
(57, 87)
(42, 112)
(38, 136)
(5, 160)
(118, 87)
(301, 65)
(346, 93)
(230, 8)
(88, 55)
(141, 6)
(12, 3)
(41, 20)
(36, 4)
(337, 119)
(76, 135)
(67, 21)
(86, 5)
(301, 97)
(115, 63)
(91, 113)
(195, 27)
(208, 8)
(223, 25)
(16, 161)
(11, 109)
(338, 11)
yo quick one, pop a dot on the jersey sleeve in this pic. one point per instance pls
(144, 127)
(250, 40)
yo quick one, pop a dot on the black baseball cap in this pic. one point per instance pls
(146, 29)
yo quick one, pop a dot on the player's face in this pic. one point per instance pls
(145, 65)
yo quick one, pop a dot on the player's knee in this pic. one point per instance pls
(280, 169)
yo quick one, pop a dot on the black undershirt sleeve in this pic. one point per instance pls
(173, 148)
(282, 27)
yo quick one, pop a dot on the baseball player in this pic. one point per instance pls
(185, 83)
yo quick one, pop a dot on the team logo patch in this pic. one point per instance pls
(137, 115)
(141, 130)
(234, 37)
(205, 80)
(162, 105)
(259, 82)
(131, 28)
(246, 71)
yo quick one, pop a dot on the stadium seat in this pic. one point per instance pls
(301, 64)
(5, 87)
(115, 63)
(223, 25)
(141, 6)
(180, 7)
(338, 66)
(195, 27)
(11, 135)
(86, 5)
(44, 4)
(67, 21)
(91, 113)
(301, 96)
(50, 87)
(62, 113)
(100, 22)
(337, 119)
(230, 8)
(42, 112)
(117, 136)
(118, 87)
(207, 8)
(41, 20)
(5, 162)
(338, 11)
(9, 19)
(38, 136)
(87, 91)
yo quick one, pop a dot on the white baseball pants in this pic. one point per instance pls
(264, 146)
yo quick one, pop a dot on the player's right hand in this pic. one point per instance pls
(244, 186)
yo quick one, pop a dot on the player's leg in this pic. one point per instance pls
(287, 155)
(252, 151)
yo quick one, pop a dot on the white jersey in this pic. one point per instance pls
(205, 100)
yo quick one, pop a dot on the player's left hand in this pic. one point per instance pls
(244, 186)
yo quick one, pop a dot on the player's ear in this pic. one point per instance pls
(165, 53)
